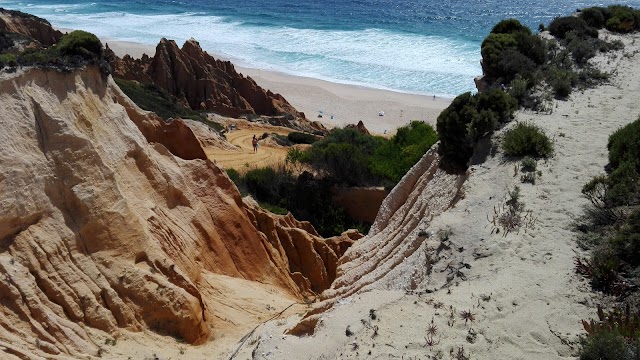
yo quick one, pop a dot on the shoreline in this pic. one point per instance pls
(340, 104)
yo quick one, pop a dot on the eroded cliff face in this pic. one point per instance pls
(400, 252)
(311, 260)
(112, 219)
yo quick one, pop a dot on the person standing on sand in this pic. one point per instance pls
(254, 142)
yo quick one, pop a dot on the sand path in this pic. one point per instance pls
(244, 157)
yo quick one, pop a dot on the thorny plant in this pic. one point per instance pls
(511, 216)
(432, 331)
(467, 315)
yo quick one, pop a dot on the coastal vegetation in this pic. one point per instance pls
(304, 184)
(151, 97)
(610, 230)
(529, 70)
(74, 50)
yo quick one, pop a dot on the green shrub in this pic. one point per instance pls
(8, 60)
(344, 154)
(624, 145)
(151, 97)
(604, 268)
(605, 345)
(302, 138)
(467, 119)
(593, 16)
(526, 139)
(395, 157)
(80, 43)
(510, 26)
(493, 48)
(561, 82)
(622, 19)
(561, 26)
(626, 241)
(528, 164)
(270, 185)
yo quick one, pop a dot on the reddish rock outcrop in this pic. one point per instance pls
(203, 82)
(28, 25)
(359, 127)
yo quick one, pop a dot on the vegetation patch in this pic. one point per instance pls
(151, 97)
(610, 229)
(466, 120)
(527, 139)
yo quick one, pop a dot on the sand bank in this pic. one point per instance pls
(340, 104)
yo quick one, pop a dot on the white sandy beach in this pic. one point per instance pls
(340, 104)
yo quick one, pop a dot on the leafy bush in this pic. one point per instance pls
(622, 19)
(81, 43)
(510, 26)
(594, 16)
(529, 164)
(151, 97)
(8, 60)
(493, 48)
(394, 158)
(605, 345)
(467, 119)
(302, 138)
(624, 159)
(561, 26)
(527, 139)
(561, 82)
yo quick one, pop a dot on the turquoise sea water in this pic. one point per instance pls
(417, 46)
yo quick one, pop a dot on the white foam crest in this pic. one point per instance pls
(378, 58)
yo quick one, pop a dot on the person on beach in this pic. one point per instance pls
(254, 142)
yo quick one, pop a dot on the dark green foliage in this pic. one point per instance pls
(394, 158)
(605, 345)
(561, 82)
(594, 16)
(617, 18)
(6, 41)
(510, 49)
(302, 138)
(624, 145)
(306, 197)
(626, 241)
(344, 155)
(624, 159)
(8, 60)
(150, 97)
(270, 185)
(467, 119)
(561, 26)
(622, 19)
(493, 48)
(510, 26)
(604, 268)
(528, 164)
(527, 139)
(81, 43)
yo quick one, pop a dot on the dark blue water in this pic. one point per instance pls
(419, 46)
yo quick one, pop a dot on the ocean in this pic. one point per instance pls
(427, 47)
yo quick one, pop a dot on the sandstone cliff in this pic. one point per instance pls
(400, 251)
(112, 219)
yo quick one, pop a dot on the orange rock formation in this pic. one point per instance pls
(110, 218)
